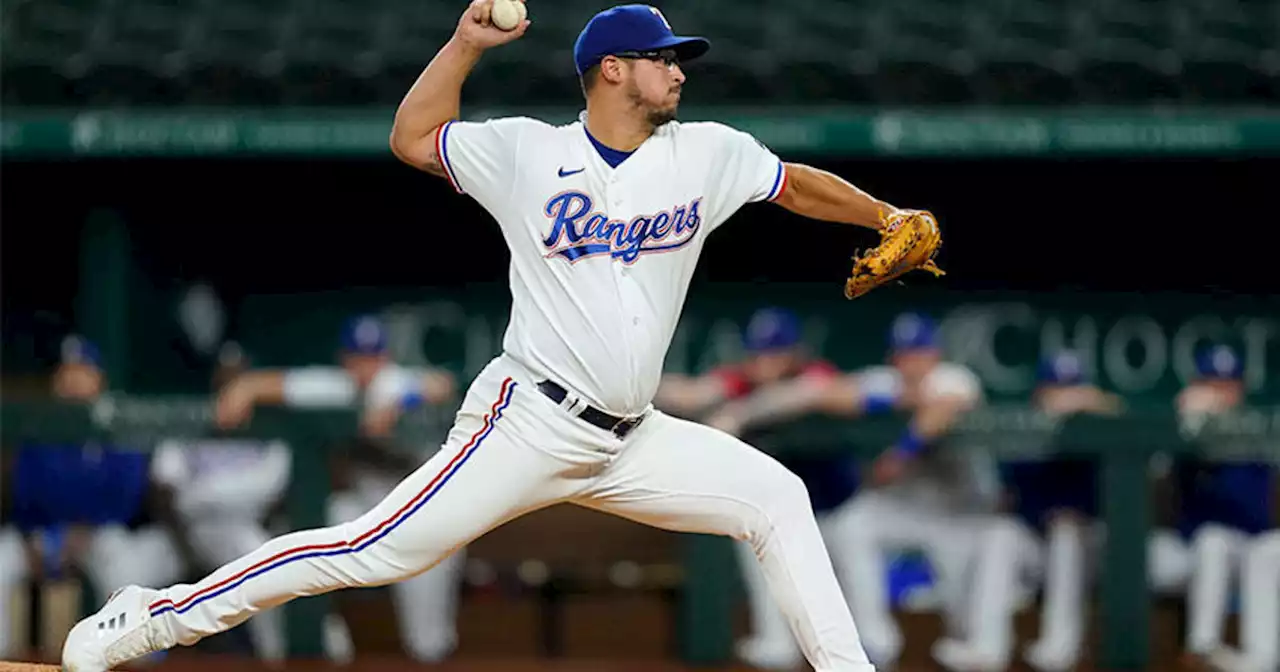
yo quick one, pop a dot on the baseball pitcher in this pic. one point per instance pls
(604, 219)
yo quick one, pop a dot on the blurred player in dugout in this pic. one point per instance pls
(221, 491)
(914, 499)
(426, 604)
(84, 507)
(1228, 511)
(1045, 534)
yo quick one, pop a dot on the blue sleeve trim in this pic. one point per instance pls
(443, 148)
(779, 181)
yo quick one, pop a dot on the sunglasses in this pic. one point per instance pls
(667, 57)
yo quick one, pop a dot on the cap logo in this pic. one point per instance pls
(907, 329)
(764, 326)
(1224, 362)
(1068, 366)
(367, 333)
(662, 18)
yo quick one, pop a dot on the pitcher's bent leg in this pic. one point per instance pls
(482, 477)
(681, 476)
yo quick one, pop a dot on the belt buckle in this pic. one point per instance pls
(631, 424)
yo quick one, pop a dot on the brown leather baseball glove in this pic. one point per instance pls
(909, 240)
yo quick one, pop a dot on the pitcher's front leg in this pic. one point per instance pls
(682, 476)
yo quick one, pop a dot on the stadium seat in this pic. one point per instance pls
(912, 52)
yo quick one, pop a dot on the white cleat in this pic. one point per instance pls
(769, 655)
(114, 635)
(1231, 660)
(957, 656)
(1052, 656)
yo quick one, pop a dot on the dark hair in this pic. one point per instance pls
(588, 78)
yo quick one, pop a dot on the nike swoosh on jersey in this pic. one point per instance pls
(567, 173)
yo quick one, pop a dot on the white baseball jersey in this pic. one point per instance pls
(601, 257)
(219, 477)
(333, 387)
(947, 379)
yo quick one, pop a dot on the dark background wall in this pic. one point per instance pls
(253, 227)
(277, 225)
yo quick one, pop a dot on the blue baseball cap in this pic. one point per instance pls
(772, 329)
(1219, 362)
(364, 335)
(1061, 368)
(631, 28)
(79, 350)
(913, 331)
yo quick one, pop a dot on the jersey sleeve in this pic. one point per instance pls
(479, 157)
(744, 170)
(954, 381)
(318, 387)
(880, 382)
(390, 386)
(748, 172)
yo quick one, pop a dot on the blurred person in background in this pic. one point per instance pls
(915, 498)
(919, 497)
(221, 491)
(775, 355)
(426, 604)
(84, 506)
(1227, 512)
(12, 560)
(1045, 536)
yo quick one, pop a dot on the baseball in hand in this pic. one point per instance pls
(507, 14)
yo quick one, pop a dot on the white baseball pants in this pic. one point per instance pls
(512, 451)
(1011, 552)
(872, 524)
(1221, 554)
(13, 572)
(426, 605)
(217, 542)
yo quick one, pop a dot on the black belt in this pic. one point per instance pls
(620, 427)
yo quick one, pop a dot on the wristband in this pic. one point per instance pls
(411, 400)
(910, 443)
(877, 403)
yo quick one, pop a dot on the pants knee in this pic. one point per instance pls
(784, 497)
(1213, 539)
(1168, 562)
(1005, 532)
(1264, 551)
